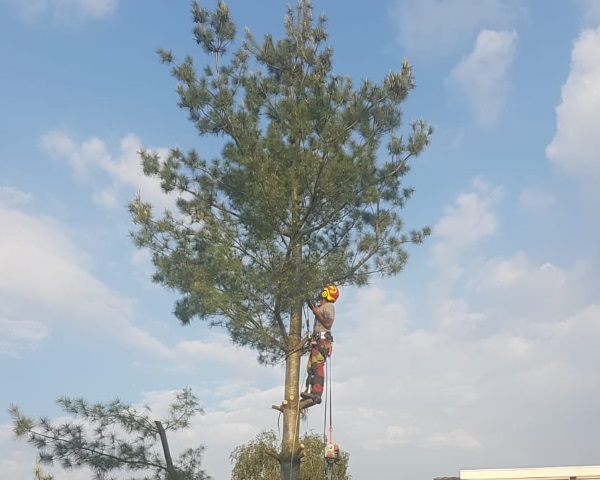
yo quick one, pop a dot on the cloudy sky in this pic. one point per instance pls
(482, 354)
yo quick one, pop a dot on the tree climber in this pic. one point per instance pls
(320, 345)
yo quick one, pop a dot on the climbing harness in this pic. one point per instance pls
(325, 352)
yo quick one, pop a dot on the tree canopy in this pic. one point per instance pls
(254, 461)
(307, 188)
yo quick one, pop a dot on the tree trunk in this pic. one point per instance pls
(290, 442)
(289, 456)
(171, 471)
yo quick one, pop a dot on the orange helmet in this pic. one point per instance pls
(330, 292)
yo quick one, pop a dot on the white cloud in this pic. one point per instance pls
(591, 12)
(519, 271)
(215, 348)
(454, 439)
(455, 314)
(46, 279)
(539, 290)
(464, 224)
(17, 465)
(394, 435)
(438, 27)
(482, 76)
(81, 158)
(14, 196)
(471, 217)
(570, 330)
(576, 142)
(450, 390)
(537, 201)
(123, 174)
(17, 336)
(64, 11)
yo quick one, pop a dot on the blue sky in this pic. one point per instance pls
(482, 354)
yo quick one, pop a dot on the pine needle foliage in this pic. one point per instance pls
(113, 438)
(307, 189)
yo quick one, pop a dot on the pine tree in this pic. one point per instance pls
(307, 189)
(114, 437)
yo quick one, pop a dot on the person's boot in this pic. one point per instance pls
(315, 397)
(306, 394)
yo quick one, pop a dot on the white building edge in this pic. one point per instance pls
(543, 473)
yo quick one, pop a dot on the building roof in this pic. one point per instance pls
(546, 473)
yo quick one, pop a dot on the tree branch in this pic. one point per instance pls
(93, 451)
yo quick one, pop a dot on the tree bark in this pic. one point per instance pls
(290, 442)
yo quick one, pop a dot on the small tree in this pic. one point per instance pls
(307, 189)
(254, 460)
(113, 437)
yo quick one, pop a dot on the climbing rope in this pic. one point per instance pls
(327, 395)
(328, 405)
(329, 374)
